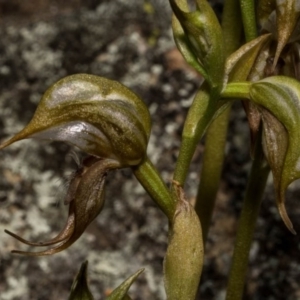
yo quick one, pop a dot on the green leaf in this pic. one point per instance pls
(239, 64)
(200, 115)
(281, 96)
(184, 258)
(200, 36)
(247, 63)
(80, 289)
(99, 116)
(238, 68)
(120, 293)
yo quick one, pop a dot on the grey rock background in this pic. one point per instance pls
(130, 41)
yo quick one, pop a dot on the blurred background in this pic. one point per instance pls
(130, 41)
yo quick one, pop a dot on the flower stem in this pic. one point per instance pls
(237, 90)
(150, 179)
(253, 197)
(211, 170)
(249, 20)
(199, 117)
(216, 135)
(231, 24)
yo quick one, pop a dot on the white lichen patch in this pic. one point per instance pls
(17, 288)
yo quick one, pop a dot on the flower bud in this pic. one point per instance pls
(99, 116)
(199, 37)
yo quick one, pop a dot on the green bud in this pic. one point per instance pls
(99, 116)
(281, 97)
(202, 39)
(184, 258)
(185, 48)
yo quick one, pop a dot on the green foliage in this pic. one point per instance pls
(112, 125)
(80, 289)
(186, 249)
(120, 293)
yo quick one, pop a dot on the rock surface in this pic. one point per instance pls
(130, 41)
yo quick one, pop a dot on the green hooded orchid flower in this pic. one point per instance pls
(102, 118)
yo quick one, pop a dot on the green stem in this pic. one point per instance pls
(216, 135)
(199, 117)
(150, 179)
(254, 192)
(211, 170)
(237, 90)
(249, 21)
(231, 24)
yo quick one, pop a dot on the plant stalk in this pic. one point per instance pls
(198, 119)
(237, 90)
(249, 20)
(255, 188)
(232, 25)
(216, 134)
(150, 179)
(211, 170)
(253, 197)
